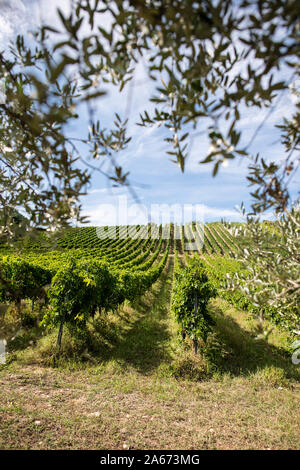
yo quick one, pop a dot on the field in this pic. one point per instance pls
(101, 336)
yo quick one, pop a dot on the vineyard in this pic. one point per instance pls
(94, 269)
(152, 297)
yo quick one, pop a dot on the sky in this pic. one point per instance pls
(154, 178)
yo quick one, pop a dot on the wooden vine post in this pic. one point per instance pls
(60, 332)
(195, 342)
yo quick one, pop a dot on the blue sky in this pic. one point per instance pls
(154, 178)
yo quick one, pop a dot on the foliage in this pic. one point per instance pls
(21, 280)
(273, 266)
(76, 292)
(209, 61)
(222, 271)
(38, 171)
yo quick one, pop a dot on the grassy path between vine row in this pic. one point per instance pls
(148, 391)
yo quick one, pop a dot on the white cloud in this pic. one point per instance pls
(98, 191)
(11, 16)
(113, 213)
(121, 210)
(21, 16)
(108, 214)
(217, 213)
(113, 191)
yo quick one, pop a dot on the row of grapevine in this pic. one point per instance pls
(79, 289)
(22, 280)
(222, 271)
(136, 248)
(78, 285)
(223, 246)
(226, 238)
(191, 292)
(212, 240)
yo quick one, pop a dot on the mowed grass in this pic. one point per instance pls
(133, 384)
